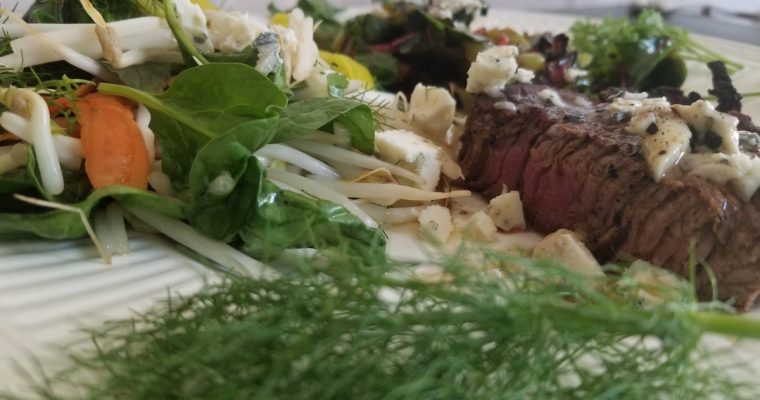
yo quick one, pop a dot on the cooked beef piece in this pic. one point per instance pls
(674, 95)
(729, 98)
(576, 168)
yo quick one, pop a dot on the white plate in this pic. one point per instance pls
(49, 291)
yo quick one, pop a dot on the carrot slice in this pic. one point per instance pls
(112, 144)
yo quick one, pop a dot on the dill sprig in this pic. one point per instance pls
(65, 88)
(343, 329)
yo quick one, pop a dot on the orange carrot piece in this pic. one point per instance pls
(113, 146)
(58, 105)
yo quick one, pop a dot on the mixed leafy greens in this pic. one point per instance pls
(209, 123)
(57, 11)
(641, 54)
(408, 44)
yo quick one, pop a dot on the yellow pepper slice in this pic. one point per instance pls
(282, 19)
(349, 67)
(205, 4)
(339, 62)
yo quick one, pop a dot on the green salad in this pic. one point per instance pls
(249, 139)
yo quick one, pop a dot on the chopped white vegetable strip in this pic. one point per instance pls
(297, 158)
(159, 181)
(219, 252)
(115, 223)
(69, 149)
(320, 191)
(284, 186)
(110, 229)
(66, 53)
(328, 138)
(347, 171)
(13, 157)
(142, 117)
(390, 215)
(14, 31)
(388, 191)
(38, 130)
(351, 157)
(142, 56)
(158, 39)
(143, 33)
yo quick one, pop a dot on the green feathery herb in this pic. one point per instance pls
(63, 88)
(348, 330)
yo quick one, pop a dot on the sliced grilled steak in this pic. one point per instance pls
(576, 168)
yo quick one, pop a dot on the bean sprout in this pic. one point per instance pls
(297, 158)
(388, 191)
(69, 149)
(65, 52)
(142, 117)
(38, 131)
(320, 191)
(351, 157)
(216, 251)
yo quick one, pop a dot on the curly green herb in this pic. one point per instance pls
(640, 54)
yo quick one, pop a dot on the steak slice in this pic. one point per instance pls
(577, 169)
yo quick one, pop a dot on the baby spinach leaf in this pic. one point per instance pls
(58, 11)
(310, 115)
(203, 103)
(248, 55)
(76, 186)
(285, 219)
(60, 225)
(150, 77)
(233, 202)
(225, 179)
(15, 181)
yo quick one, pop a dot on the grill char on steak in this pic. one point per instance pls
(576, 168)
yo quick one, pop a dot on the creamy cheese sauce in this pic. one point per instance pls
(493, 68)
(668, 132)
(505, 105)
(665, 136)
(551, 96)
